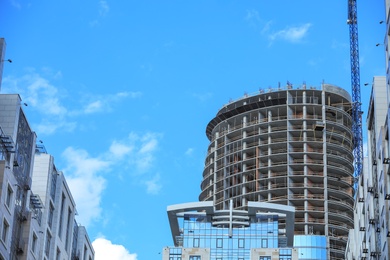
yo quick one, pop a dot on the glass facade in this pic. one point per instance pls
(197, 231)
(311, 247)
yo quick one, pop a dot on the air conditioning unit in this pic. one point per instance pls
(362, 229)
(361, 199)
(370, 189)
(365, 250)
(372, 221)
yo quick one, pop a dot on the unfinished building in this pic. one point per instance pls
(292, 146)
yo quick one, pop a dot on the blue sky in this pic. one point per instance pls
(120, 92)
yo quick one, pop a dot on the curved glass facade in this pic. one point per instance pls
(311, 247)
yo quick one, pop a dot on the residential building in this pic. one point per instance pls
(17, 144)
(50, 185)
(82, 246)
(371, 234)
(37, 210)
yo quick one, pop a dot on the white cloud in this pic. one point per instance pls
(252, 15)
(153, 186)
(104, 103)
(49, 127)
(291, 34)
(105, 249)
(48, 101)
(83, 175)
(16, 4)
(119, 149)
(143, 150)
(189, 151)
(266, 27)
(38, 93)
(203, 97)
(103, 8)
(95, 106)
(129, 94)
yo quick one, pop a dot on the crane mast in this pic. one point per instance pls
(357, 117)
(355, 83)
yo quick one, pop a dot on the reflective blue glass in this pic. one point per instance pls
(198, 231)
(311, 247)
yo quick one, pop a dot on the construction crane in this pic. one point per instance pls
(355, 84)
(357, 117)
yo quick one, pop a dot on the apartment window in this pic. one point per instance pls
(85, 252)
(8, 198)
(53, 185)
(4, 233)
(195, 257)
(68, 227)
(50, 217)
(34, 242)
(58, 254)
(265, 258)
(61, 215)
(48, 241)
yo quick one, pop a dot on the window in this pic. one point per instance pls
(58, 254)
(285, 254)
(47, 246)
(8, 198)
(265, 258)
(196, 242)
(175, 253)
(61, 215)
(85, 252)
(4, 233)
(68, 227)
(195, 257)
(241, 243)
(53, 185)
(34, 242)
(219, 243)
(51, 213)
(264, 243)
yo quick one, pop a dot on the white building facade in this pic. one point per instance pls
(37, 210)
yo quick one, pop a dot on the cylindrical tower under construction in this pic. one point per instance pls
(292, 146)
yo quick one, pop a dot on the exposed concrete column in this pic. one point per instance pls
(324, 152)
(215, 167)
(269, 153)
